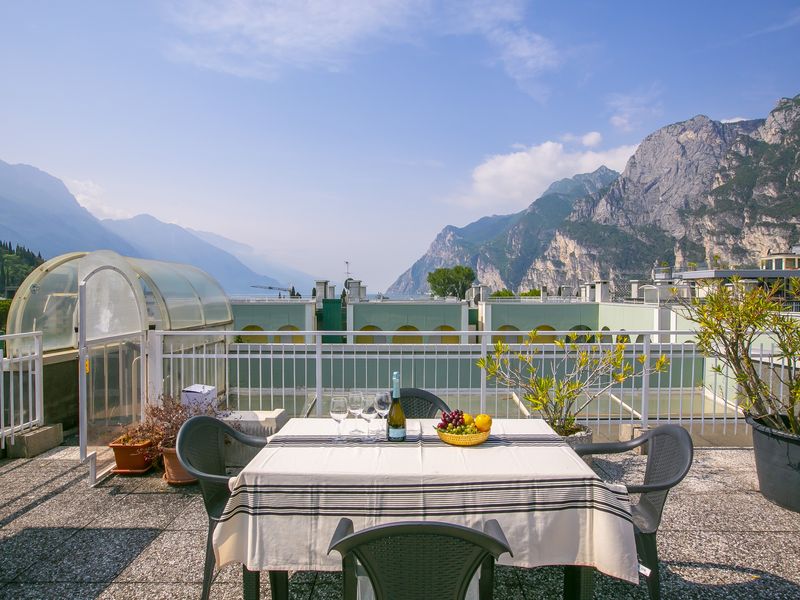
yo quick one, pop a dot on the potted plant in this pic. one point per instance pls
(161, 425)
(732, 321)
(131, 451)
(561, 388)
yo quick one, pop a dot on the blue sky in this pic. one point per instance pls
(319, 132)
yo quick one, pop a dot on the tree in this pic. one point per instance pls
(451, 282)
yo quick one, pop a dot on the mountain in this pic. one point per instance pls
(500, 248)
(37, 211)
(155, 239)
(696, 191)
(302, 282)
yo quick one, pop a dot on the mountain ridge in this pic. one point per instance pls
(697, 190)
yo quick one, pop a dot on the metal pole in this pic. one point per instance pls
(83, 367)
(37, 343)
(318, 373)
(646, 384)
(483, 374)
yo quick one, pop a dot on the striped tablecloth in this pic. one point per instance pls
(554, 510)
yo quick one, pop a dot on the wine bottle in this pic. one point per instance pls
(396, 419)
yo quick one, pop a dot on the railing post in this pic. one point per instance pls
(646, 383)
(83, 366)
(318, 373)
(483, 374)
(38, 380)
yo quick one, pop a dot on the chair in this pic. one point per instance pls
(201, 450)
(415, 560)
(419, 404)
(669, 458)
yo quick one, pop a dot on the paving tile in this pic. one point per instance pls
(136, 510)
(153, 482)
(20, 549)
(173, 557)
(192, 517)
(76, 507)
(727, 512)
(51, 591)
(92, 556)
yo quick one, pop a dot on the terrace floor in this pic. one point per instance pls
(136, 537)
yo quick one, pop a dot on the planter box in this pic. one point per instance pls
(777, 456)
(130, 458)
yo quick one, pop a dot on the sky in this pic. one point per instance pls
(320, 132)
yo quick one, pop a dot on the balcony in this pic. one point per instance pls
(137, 537)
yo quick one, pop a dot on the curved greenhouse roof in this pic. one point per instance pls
(164, 295)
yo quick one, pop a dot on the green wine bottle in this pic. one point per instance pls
(396, 419)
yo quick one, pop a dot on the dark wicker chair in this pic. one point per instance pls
(419, 404)
(419, 560)
(669, 457)
(201, 449)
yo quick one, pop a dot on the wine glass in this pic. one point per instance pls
(368, 413)
(338, 410)
(383, 402)
(355, 404)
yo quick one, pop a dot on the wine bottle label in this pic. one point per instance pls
(396, 434)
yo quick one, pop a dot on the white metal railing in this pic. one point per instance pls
(265, 370)
(21, 406)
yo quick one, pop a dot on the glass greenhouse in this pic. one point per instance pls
(166, 296)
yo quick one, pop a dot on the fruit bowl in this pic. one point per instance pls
(469, 439)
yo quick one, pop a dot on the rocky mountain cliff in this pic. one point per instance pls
(500, 247)
(693, 191)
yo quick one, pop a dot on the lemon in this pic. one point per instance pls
(483, 422)
(468, 420)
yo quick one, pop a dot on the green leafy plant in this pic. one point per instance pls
(731, 319)
(561, 388)
(504, 293)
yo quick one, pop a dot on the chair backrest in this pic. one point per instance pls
(201, 446)
(669, 457)
(420, 404)
(418, 560)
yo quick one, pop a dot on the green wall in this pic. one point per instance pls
(269, 316)
(390, 317)
(561, 317)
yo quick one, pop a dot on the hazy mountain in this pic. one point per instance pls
(37, 211)
(303, 282)
(692, 191)
(155, 239)
(501, 247)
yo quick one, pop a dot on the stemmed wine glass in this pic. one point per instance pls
(355, 404)
(383, 402)
(368, 413)
(338, 410)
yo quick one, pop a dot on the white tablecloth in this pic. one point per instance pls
(552, 507)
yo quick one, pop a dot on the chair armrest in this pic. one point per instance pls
(609, 447)
(655, 487)
(343, 529)
(249, 440)
(492, 528)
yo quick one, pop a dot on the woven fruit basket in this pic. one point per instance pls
(470, 439)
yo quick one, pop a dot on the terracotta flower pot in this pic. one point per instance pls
(174, 473)
(131, 458)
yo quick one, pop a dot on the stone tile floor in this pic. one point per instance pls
(136, 537)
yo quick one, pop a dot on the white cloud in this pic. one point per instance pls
(90, 195)
(734, 120)
(259, 38)
(509, 182)
(631, 110)
(591, 139)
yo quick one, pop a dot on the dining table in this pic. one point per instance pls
(554, 510)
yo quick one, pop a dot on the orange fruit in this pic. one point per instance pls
(483, 422)
(468, 420)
